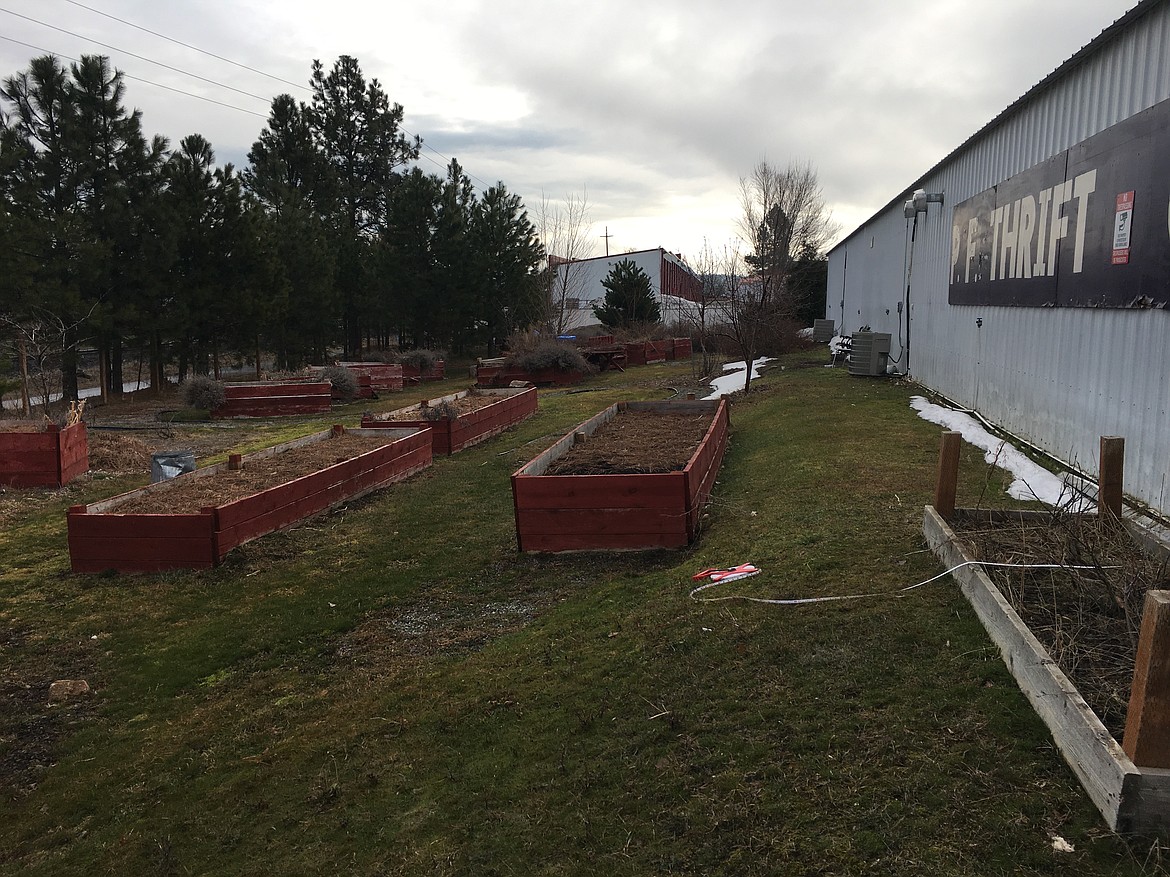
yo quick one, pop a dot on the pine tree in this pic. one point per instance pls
(629, 297)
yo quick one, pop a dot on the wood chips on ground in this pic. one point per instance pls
(118, 454)
(189, 495)
(636, 443)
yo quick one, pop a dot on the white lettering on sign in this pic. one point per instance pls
(1025, 233)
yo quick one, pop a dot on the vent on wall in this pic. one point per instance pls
(869, 353)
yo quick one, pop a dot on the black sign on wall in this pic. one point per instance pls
(1089, 227)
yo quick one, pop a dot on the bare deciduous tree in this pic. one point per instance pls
(565, 230)
(785, 219)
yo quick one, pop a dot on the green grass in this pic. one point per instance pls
(392, 689)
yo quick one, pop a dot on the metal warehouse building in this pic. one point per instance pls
(1026, 276)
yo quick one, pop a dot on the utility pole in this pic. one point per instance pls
(607, 236)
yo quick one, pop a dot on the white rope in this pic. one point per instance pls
(898, 593)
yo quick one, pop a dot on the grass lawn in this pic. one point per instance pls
(392, 689)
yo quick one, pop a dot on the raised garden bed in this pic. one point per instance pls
(275, 399)
(278, 490)
(496, 374)
(412, 373)
(376, 377)
(1087, 583)
(48, 457)
(636, 502)
(480, 414)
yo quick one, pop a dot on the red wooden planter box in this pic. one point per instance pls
(502, 376)
(449, 436)
(275, 399)
(100, 538)
(635, 353)
(375, 377)
(659, 351)
(412, 373)
(606, 512)
(51, 458)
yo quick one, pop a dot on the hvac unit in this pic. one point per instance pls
(869, 353)
(823, 331)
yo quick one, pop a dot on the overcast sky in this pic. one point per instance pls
(653, 109)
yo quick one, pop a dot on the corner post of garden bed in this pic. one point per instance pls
(947, 479)
(1111, 475)
(1147, 724)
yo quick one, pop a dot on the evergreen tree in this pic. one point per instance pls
(358, 132)
(629, 297)
(507, 255)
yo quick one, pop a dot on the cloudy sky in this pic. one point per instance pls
(652, 109)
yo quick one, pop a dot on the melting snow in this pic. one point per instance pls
(732, 380)
(1032, 482)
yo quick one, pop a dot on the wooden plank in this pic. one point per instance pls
(947, 476)
(16, 442)
(127, 551)
(663, 490)
(609, 542)
(602, 521)
(102, 526)
(1111, 476)
(1147, 723)
(1088, 748)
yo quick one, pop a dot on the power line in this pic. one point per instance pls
(188, 45)
(201, 97)
(446, 159)
(139, 57)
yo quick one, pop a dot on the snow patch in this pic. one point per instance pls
(1031, 482)
(732, 379)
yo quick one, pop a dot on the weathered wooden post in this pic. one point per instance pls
(235, 462)
(1109, 479)
(1147, 724)
(947, 480)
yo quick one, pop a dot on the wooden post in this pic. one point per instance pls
(235, 462)
(338, 430)
(1110, 476)
(1147, 724)
(690, 397)
(947, 480)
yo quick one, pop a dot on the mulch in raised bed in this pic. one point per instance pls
(1088, 620)
(258, 474)
(636, 443)
(449, 409)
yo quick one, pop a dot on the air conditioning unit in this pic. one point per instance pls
(823, 331)
(869, 353)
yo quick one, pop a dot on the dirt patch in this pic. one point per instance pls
(636, 442)
(1087, 619)
(118, 454)
(191, 495)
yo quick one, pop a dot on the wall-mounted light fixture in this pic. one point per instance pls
(920, 199)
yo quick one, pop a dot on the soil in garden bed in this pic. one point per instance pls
(1088, 619)
(258, 474)
(636, 443)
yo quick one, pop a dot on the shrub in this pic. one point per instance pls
(442, 411)
(422, 359)
(547, 353)
(203, 393)
(345, 382)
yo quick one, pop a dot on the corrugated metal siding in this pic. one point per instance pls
(1059, 377)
